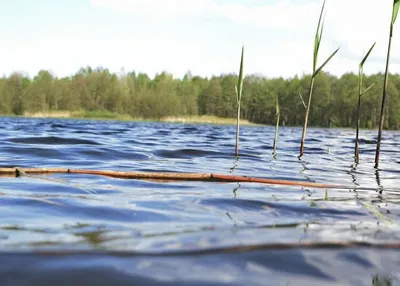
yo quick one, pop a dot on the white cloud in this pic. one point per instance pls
(157, 7)
(284, 14)
(351, 24)
(205, 36)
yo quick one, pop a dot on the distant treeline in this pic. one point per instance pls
(333, 105)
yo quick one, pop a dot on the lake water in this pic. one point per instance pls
(69, 229)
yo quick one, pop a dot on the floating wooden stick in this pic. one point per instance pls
(169, 176)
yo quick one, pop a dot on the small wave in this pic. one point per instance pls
(289, 209)
(185, 153)
(52, 140)
(365, 141)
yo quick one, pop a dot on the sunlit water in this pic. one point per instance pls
(169, 223)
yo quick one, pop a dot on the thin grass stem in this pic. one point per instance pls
(278, 114)
(395, 10)
(360, 93)
(239, 90)
(317, 43)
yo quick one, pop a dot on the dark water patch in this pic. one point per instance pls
(123, 130)
(185, 153)
(190, 129)
(58, 126)
(33, 152)
(266, 147)
(52, 140)
(163, 132)
(315, 150)
(107, 133)
(314, 140)
(365, 141)
(84, 132)
(111, 154)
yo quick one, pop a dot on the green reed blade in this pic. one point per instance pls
(325, 63)
(240, 80)
(366, 56)
(395, 11)
(367, 89)
(318, 37)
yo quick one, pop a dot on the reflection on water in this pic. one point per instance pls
(379, 280)
(86, 212)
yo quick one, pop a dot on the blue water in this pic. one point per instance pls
(94, 230)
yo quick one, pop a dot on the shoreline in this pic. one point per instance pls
(203, 119)
(198, 119)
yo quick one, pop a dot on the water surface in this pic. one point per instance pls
(164, 226)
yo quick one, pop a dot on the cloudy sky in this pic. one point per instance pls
(203, 36)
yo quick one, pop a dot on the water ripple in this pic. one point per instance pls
(88, 212)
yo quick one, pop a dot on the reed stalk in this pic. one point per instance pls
(317, 42)
(360, 94)
(278, 114)
(395, 11)
(239, 89)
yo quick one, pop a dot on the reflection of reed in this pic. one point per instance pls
(378, 280)
(302, 172)
(235, 189)
(235, 224)
(232, 171)
(235, 164)
(378, 181)
(352, 171)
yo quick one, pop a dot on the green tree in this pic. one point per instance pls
(13, 92)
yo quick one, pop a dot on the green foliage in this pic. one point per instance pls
(142, 97)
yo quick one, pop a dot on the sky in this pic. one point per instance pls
(201, 36)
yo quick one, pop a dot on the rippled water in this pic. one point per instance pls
(193, 232)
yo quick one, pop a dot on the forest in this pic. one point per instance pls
(334, 102)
